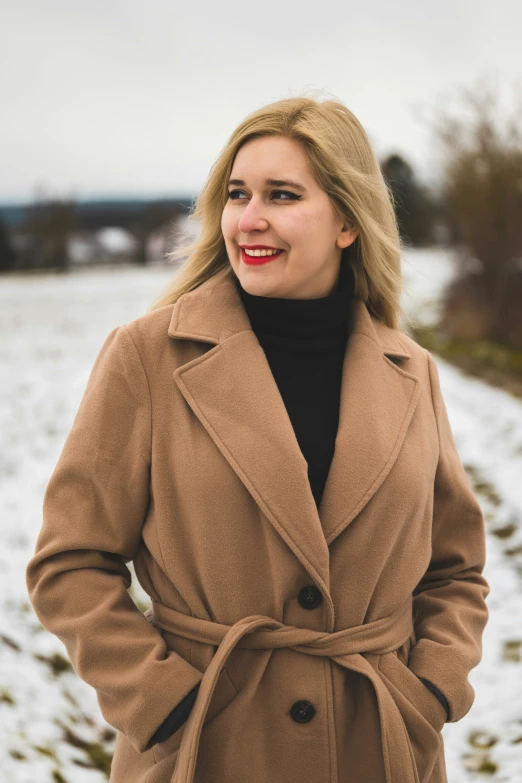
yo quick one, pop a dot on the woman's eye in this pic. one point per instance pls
(293, 196)
(287, 193)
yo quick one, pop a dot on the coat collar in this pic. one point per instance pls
(233, 393)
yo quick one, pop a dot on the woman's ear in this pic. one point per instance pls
(348, 235)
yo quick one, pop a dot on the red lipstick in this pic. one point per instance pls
(257, 260)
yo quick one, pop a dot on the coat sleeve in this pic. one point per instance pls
(449, 603)
(94, 508)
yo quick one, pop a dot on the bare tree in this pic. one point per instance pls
(48, 225)
(7, 255)
(482, 192)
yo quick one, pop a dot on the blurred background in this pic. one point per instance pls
(113, 114)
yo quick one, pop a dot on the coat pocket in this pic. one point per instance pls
(422, 713)
(415, 691)
(224, 693)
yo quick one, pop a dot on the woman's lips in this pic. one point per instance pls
(256, 260)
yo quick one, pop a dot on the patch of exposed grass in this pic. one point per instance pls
(479, 760)
(56, 663)
(6, 698)
(483, 487)
(504, 532)
(488, 767)
(70, 698)
(17, 755)
(512, 650)
(4, 639)
(482, 740)
(45, 751)
(96, 756)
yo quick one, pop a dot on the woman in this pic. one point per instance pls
(275, 457)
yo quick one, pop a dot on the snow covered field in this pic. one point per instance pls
(51, 328)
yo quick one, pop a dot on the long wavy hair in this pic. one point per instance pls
(345, 167)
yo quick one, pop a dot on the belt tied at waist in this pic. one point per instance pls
(259, 632)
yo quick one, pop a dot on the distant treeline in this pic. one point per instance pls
(37, 235)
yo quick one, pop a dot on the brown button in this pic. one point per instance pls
(310, 597)
(302, 711)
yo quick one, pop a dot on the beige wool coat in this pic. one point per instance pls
(182, 459)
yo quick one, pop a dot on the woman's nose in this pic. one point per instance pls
(252, 218)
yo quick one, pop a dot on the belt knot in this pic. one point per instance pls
(260, 632)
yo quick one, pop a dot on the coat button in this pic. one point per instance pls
(302, 711)
(310, 597)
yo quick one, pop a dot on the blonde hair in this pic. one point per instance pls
(345, 167)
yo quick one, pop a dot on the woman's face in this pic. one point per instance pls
(297, 220)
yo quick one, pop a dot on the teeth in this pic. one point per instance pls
(259, 253)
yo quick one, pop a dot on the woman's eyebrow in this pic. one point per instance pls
(275, 182)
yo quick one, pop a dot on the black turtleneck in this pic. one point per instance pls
(304, 341)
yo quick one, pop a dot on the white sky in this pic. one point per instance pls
(118, 97)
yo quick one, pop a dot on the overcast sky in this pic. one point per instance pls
(116, 97)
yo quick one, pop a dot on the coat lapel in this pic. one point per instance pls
(233, 393)
(378, 400)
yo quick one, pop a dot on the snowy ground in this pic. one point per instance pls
(52, 327)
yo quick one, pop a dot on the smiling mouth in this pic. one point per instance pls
(260, 250)
(257, 256)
